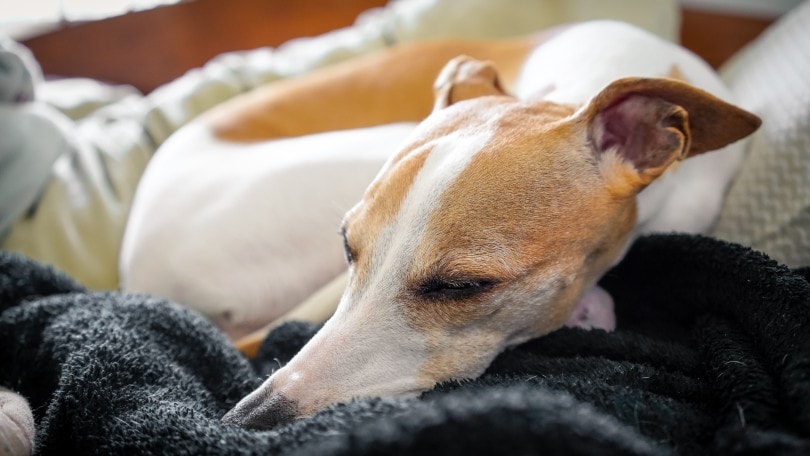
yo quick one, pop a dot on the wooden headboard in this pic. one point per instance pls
(149, 48)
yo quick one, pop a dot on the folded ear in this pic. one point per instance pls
(463, 78)
(651, 123)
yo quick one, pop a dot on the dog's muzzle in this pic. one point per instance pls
(262, 410)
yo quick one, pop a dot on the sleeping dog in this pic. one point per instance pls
(487, 224)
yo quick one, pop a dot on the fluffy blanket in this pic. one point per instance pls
(712, 355)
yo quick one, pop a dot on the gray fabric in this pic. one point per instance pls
(768, 205)
(29, 145)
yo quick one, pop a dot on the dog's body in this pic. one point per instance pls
(489, 224)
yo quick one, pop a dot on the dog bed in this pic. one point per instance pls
(711, 355)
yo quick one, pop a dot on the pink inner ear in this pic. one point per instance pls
(636, 127)
(615, 127)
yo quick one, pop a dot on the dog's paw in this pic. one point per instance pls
(16, 425)
(594, 310)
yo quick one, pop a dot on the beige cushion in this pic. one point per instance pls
(768, 205)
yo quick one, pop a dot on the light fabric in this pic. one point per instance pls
(768, 205)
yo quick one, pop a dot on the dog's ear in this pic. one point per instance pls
(464, 78)
(651, 123)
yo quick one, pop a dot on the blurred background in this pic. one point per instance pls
(147, 43)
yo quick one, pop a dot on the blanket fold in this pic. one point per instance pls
(711, 356)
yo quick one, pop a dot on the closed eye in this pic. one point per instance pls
(346, 247)
(440, 289)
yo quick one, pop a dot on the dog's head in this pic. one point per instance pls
(485, 230)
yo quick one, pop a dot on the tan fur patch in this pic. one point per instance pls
(389, 86)
(383, 198)
(379, 206)
(519, 210)
(482, 219)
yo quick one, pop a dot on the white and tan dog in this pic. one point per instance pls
(489, 224)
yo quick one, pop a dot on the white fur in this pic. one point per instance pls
(244, 232)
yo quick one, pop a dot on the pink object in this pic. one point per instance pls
(594, 310)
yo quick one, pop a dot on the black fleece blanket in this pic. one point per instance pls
(712, 356)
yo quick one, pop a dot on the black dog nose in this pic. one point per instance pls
(262, 411)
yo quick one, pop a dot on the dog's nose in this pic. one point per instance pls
(262, 410)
